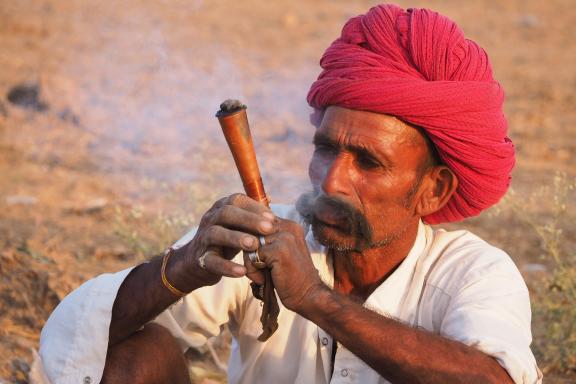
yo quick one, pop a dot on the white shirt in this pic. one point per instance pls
(451, 283)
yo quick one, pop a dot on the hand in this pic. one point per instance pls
(232, 224)
(285, 252)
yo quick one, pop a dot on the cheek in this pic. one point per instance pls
(382, 202)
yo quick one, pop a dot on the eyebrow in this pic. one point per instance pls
(322, 139)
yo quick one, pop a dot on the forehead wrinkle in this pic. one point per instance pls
(347, 143)
(380, 145)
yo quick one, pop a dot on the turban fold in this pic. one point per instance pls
(417, 65)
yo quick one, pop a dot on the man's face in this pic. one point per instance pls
(365, 172)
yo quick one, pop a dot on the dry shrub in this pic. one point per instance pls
(554, 293)
(148, 230)
(147, 234)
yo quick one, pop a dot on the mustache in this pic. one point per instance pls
(354, 223)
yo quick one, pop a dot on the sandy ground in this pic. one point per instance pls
(120, 151)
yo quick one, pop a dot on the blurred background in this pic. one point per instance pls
(109, 149)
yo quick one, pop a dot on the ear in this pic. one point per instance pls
(438, 186)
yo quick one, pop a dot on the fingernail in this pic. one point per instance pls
(265, 225)
(239, 270)
(248, 241)
(269, 215)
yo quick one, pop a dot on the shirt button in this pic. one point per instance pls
(324, 341)
(344, 372)
(87, 380)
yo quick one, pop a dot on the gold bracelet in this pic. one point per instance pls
(165, 281)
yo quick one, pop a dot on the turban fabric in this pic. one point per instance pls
(417, 65)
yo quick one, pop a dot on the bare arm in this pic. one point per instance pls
(142, 297)
(396, 351)
(224, 230)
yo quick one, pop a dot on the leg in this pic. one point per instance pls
(149, 356)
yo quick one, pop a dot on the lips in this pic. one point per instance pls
(330, 217)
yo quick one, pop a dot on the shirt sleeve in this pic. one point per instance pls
(491, 312)
(200, 315)
(74, 340)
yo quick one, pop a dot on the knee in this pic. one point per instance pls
(151, 355)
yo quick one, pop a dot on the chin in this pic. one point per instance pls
(339, 240)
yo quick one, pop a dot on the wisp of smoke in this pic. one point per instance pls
(354, 223)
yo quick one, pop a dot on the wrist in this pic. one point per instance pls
(315, 298)
(180, 272)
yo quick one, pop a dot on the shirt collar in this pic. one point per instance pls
(387, 299)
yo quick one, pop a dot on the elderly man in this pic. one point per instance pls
(409, 130)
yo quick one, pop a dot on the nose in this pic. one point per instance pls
(336, 179)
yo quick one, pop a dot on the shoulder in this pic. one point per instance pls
(464, 260)
(476, 295)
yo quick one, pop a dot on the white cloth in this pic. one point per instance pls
(451, 283)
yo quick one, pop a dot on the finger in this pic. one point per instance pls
(215, 264)
(276, 244)
(231, 216)
(247, 203)
(217, 235)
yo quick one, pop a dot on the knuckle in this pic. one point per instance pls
(229, 211)
(235, 198)
(210, 234)
(295, 227)
(209, 216)
(286, 236)
(205, 219)
(224, 213)
(220, 202)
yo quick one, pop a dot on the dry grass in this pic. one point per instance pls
(553, 293)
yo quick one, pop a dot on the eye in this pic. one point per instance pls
(367, 162)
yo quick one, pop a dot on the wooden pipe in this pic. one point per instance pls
(234, 122)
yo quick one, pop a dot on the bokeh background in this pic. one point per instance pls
(109, 149)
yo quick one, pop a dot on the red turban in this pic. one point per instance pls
(417, 65)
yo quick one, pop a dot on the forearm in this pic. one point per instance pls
(396, 351)
(142, 296)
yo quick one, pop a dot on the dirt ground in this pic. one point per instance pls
(118, 151)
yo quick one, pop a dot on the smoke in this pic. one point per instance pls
(352, 223)
(146, 81)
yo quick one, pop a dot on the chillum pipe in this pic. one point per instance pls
(234, 122)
